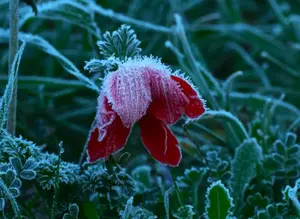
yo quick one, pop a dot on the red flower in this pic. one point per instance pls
(142, 90)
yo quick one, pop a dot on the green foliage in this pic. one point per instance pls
(279, 211)
(218, 168)
(291, 195)
(184, 212)
(46, 171)
(132, 212)
(73, 212)
(121, 43)
(283, 161)
(75, 12)
(7, 96)
(218, 201)
(243, 168)
(242, 56)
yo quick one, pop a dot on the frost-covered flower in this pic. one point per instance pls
(142, 90)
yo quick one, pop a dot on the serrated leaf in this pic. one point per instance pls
(28, 174)
(122, 43)
(272, 211)
(218, 201)
(2, 204)
(184, 212)
(243, 168)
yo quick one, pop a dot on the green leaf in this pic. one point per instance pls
(227, 117)
(28, 174)
(2, 204)
(67, 216)
(292, 194)
(190, 183)
(122, 43)
(218, 201)
(75, 12)
(16, 163)
(46, 47)
(6, 98)
(73, 212)
(184, 212)
(132, 212)
(128, 208)
(243, 168)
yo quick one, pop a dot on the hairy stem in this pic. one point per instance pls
(13, 48)
(12, 200)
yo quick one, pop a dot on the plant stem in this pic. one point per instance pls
(12, 200)
(13, 48)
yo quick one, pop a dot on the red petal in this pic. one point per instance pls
(159, 140)
(196, 106)
(109, 135)
(169, 102)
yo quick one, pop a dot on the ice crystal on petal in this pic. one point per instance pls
(142, 81)
(128, 90)
(105, 117)
(169, 102)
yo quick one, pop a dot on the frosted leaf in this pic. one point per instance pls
(122, 43)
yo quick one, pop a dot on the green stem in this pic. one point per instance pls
(56, 183)
(13, 202)
(293, 125)
(180, 202)
(13, 48)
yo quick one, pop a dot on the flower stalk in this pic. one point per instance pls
(13, 48)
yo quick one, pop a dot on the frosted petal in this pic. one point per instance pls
(109, 135)
(168, 100)
(196, 105)
(128, 90)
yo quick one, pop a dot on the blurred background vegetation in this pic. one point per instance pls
(261, 38)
